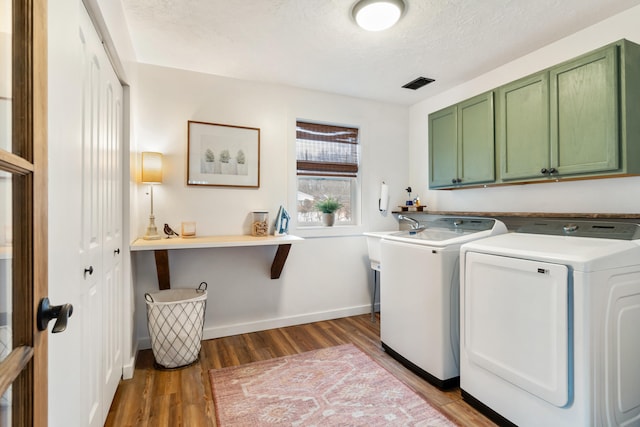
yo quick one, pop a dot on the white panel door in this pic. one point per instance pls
(102, 224)
(66, 262)
(111, 144)
(86, 222)
(91, 243)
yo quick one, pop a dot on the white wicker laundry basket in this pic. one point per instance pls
(175, 318)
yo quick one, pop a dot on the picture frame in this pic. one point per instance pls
(223, 155)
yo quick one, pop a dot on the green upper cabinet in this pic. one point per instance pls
(443, 147)
(579, 119)
(585, 114)
(476, 140)
(461, 144)
(575, 120)
(562, 121)
(523, 127)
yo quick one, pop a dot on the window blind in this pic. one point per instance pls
(326, 150)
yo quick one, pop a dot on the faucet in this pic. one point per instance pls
(415, 224)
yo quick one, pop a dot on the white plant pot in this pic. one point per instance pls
(328, 219)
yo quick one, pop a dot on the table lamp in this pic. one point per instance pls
(151, 174)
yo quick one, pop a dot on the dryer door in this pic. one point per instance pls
(516, 320)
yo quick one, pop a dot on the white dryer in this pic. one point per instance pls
(550, 324)
(419, 304)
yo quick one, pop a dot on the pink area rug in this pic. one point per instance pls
(337, 386)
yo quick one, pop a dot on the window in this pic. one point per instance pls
(327, 166)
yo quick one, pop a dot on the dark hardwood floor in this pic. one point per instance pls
(182, 397)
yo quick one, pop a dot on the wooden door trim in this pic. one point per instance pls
(15, 164)
(40, 203)
(28, 164)
(14, 363)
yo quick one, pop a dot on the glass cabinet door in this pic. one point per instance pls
(23, 214)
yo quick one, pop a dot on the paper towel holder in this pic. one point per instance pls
(380, 201)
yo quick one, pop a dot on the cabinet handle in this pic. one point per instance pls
(544, 171)
(88, 270)
(453, 181)
(553, 170)
(117, 251)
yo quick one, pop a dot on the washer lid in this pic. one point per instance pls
(582, 253)
(450, 231)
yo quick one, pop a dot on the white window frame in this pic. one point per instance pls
(319, 230)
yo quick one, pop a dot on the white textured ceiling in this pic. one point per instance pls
(315, 44)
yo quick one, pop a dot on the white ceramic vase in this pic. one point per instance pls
(329, 219)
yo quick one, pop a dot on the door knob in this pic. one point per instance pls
(48, 312)
(88, 270)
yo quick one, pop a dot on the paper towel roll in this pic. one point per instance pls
(384, 197)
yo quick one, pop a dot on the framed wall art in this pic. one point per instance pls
(223, 155)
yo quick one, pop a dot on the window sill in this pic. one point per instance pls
(334, 231)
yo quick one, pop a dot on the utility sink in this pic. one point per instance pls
(373, 246)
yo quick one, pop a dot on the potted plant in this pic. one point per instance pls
(328, 206)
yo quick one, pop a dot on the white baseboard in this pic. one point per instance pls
(212, 332)
(129, 366)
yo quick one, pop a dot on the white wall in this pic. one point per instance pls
(325, 277)
(619, 195)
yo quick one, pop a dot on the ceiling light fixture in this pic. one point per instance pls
(377, 15)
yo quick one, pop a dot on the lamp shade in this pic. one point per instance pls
(377, 15)
(151, 167)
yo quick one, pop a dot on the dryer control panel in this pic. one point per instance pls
(593, 229)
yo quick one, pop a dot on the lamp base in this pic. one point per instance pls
(151, 236)
(152, 230)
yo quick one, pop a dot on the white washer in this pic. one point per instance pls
(550, 325)
(419, 305)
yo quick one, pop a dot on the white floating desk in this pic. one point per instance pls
(161, 249)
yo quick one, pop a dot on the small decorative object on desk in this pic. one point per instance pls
(169, 231)
(188, 229)
(282, 222)
(260, 226)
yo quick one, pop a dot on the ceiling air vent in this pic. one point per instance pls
(418, 83)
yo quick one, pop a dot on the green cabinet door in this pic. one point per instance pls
(576, 120)
(462, 144)
(585, 132)
(523, 127)
(443, 147)
(476, 140)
